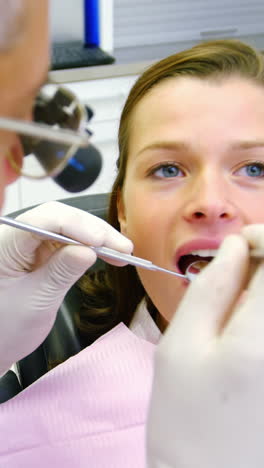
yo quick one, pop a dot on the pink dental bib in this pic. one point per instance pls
(88, 412)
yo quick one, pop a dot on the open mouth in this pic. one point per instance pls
(195, 261)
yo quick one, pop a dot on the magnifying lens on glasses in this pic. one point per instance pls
(58, 131)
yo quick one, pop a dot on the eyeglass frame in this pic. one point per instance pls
(74, 138)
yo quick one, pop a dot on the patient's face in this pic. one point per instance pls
(195, 174)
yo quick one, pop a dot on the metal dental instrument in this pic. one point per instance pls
(100, 251)
(190, 271)
(194, 268)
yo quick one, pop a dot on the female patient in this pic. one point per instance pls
(190, 172)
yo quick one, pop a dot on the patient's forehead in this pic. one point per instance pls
(198, 111)
(189, 96)
(192, 90)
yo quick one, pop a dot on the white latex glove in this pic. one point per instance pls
(207, 408)
(35, 274)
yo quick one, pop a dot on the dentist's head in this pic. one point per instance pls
(24, 63)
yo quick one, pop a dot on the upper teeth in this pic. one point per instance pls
(204, 253)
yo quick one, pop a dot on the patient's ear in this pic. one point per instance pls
(121, 213)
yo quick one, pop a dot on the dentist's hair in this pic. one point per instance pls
(12, 23)
(113, 296)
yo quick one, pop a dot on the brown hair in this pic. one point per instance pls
(112, 297)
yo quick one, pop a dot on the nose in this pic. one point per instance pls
(209, 201)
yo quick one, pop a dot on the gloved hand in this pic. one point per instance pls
(206, 409)
(35, 274)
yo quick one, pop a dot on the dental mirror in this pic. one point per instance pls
(195, 268)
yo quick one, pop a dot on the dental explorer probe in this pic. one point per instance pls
(100, 251)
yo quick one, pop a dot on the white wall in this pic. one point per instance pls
(66, 21)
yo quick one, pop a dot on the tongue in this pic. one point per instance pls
(186, 260)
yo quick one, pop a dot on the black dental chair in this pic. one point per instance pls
(63, 340)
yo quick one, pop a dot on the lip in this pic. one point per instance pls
(196, 244)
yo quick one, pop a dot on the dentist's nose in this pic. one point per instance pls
(208, 201)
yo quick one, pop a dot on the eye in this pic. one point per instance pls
(167, 170)
(255, 169)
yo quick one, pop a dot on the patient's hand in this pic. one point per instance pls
(35, 274)
(207, 406)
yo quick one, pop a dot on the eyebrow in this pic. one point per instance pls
(183, 146)
(247, 144)
(166, 145)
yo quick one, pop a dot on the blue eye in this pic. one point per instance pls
(254, 170)
(167, 171)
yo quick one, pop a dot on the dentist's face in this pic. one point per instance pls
(23, 69)
(195, 173)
